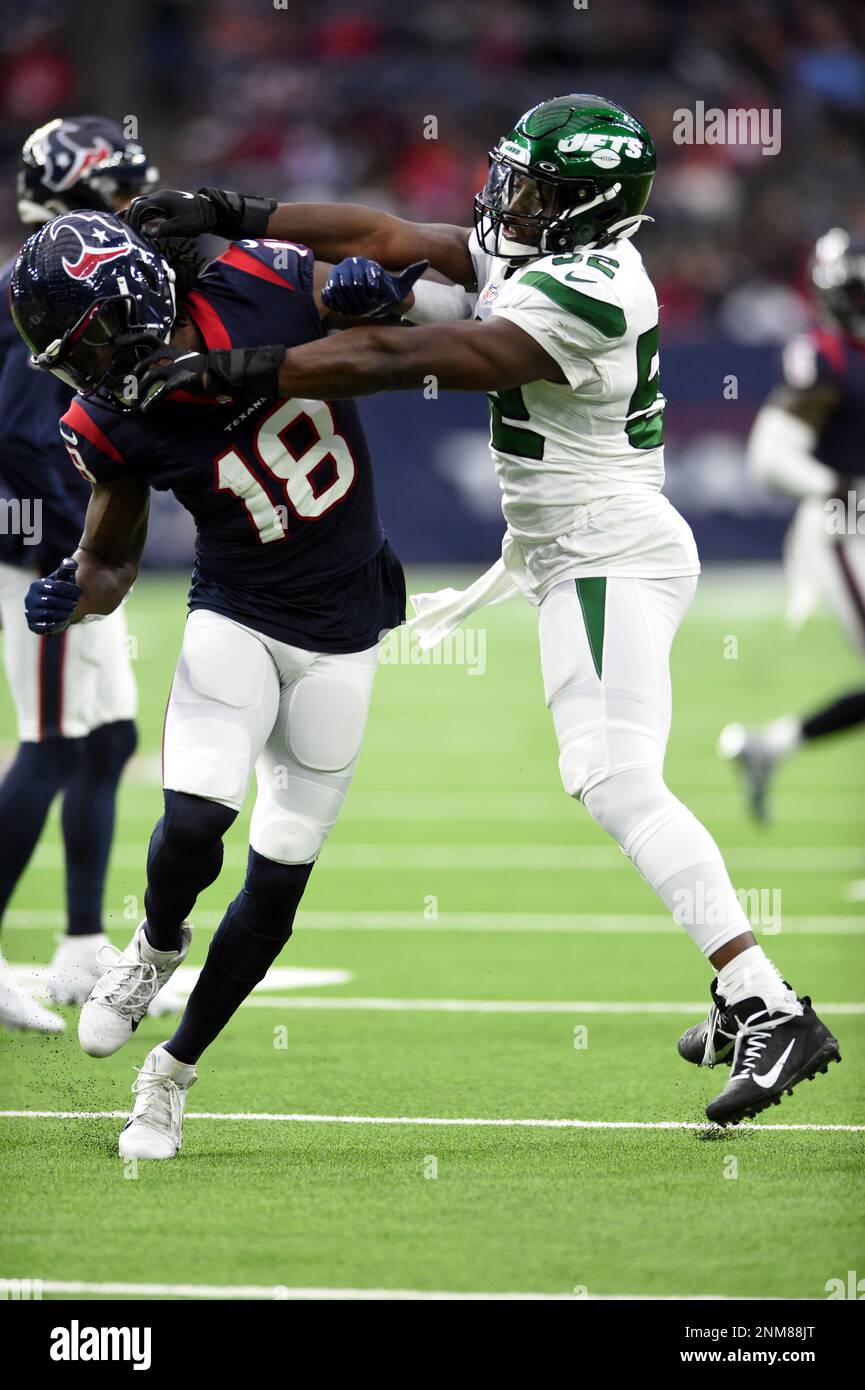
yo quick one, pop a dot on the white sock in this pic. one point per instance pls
(752, 974)
(782, 735)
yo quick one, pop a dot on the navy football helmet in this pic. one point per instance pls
(82, 282)
(80, 162)
(838, 277)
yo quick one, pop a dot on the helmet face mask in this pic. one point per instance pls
(86, 359)
(80, 283)
(575, 171)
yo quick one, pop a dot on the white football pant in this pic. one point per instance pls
(605, 648)
(67, 685)
(242, 701)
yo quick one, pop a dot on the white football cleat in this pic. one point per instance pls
(155, 1127)
(121, 997)
(75, 968)
(18, 1010)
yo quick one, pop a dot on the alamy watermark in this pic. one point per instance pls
(22, 516)
(466, 647)
(710, 907)
(759, 126)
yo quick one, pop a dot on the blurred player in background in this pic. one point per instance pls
(75, 697)
(293, 587)
(807, 442)
(562, 332)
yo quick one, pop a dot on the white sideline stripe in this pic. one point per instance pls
(590, 923)
(502, 858)
(424, 1121)
(281, 1292)
(495, 1006)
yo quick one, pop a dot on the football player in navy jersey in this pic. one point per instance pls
(75, 697)
(293, 586)
(806, 443)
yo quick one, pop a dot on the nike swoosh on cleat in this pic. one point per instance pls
(772, 1076)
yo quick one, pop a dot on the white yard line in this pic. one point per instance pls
(503, 858)
(425, 1121)
(387, 1004)
(281, 1292)
(335, 919)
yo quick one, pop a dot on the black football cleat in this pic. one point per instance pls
(711, 1040)
(772, 1053)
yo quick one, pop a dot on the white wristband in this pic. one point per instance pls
(435, 303)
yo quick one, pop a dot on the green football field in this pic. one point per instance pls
(465, 1077)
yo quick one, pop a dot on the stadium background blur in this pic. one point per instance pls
(330, 100)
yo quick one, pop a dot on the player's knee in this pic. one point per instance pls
(288, 838)
(624, 800)
(52, 760)
(581, 759)
(326, 720)
(110, 747)
(192, 825)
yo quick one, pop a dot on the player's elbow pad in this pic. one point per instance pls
(780, 455)
(435, 303)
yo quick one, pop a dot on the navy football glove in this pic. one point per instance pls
(360, 288)
(50, 602)
(172, 213)
(226, 375)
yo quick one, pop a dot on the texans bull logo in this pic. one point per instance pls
(92, 237)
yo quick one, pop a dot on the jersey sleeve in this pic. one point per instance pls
(96, 457)
(574, 315)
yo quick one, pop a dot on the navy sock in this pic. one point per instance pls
(37, 774)
(88, 821)
(185, 857)
(249, 938)
(845, 713)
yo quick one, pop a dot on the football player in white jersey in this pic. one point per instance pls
(550, 311)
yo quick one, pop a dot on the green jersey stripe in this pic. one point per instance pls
(608, 319)
(592, 594)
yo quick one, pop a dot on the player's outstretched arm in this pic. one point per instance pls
(337, 230)
(115, 529)
(332, 230)
(465, 356)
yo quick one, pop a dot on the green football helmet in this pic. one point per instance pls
(574, 171)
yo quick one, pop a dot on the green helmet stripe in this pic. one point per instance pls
(607, 318)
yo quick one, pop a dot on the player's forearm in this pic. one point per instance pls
(335, 230)
(104, 586)
(363, 361)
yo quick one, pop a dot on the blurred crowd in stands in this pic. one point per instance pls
(338, 99)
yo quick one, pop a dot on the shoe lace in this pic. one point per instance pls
(713, 1030)
(133, 990)
(753, 1038)
(157, 1100)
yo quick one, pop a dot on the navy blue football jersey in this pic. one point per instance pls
(831, 357)
(34, 467)
(288, 536)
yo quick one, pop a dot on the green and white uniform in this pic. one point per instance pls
(592, 541)
(581, 465)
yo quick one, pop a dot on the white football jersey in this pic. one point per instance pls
(582, 463)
